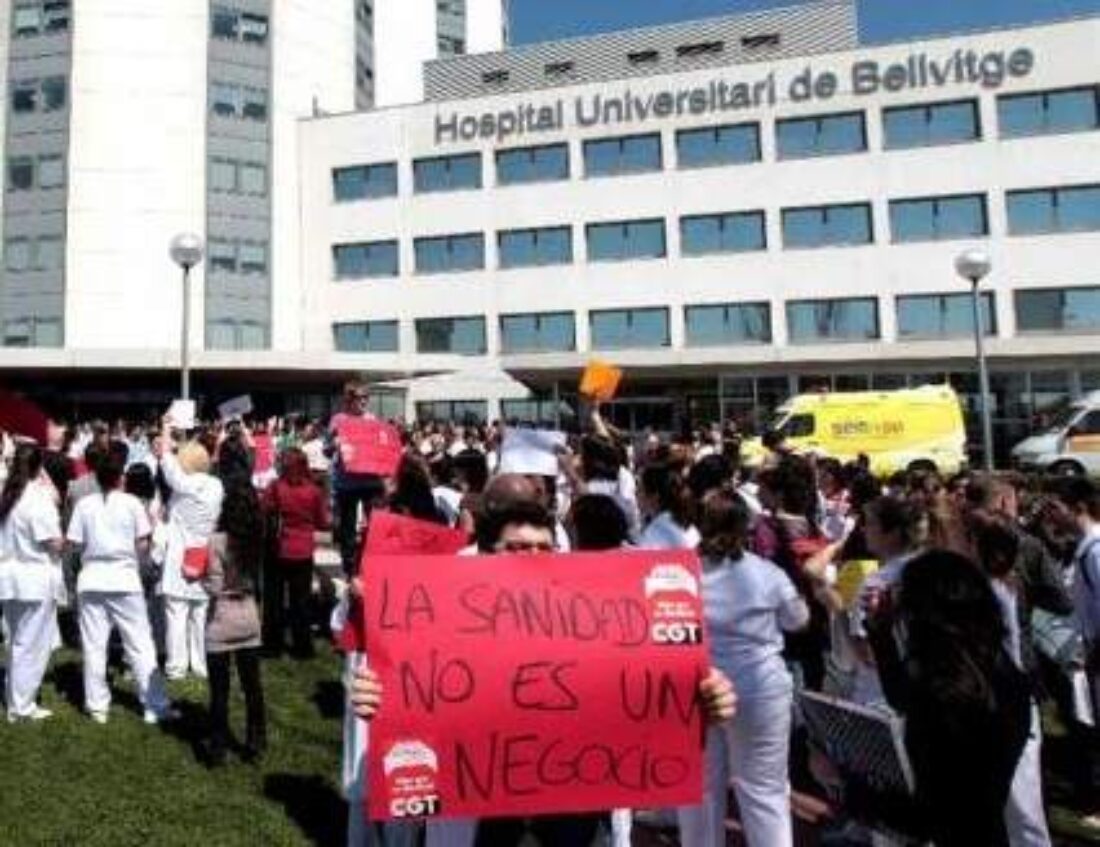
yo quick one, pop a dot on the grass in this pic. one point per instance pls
(68, 781)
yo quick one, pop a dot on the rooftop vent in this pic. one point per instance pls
(557, 70)
(704, 48)
(760, 42)
(495, 77)
(643, 57)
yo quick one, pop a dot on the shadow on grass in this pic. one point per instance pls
(312, 803)
(328, 697)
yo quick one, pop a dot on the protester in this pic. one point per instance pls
(233, 626)
(939, 645)
(112, 532)
(193, 508)
(30, 582)
(299, 510)
(667, 503)
(749, 602)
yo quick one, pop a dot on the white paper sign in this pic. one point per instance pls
(181, 414)
(238, 407)
(531, 451)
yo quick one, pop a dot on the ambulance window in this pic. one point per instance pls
(799, 426)
(1089, 424)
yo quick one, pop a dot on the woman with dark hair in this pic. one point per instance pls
(233, 625)
(412, 493)
(748, 603)
(30, 581)
(596, 522)
(666, 500)
(939, 643)
(112, 530)
(300, 509)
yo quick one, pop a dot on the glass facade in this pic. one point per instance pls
(533, 164)
(1049, 112)
(732, 232)
(1058, 310)
(528, 248)
(465, 412)
(930, 124)
(938, 218)
(711, 146)
(447, 173)
(365, 337)
(464, 336)
(364, 182)
(820, 135)
(629, 154)
(926, 316)
(618, 329)
(549, 332)
(616, 242)
(368, 259)
(828, 226)
(1043, 211)
(230, 24)
(817, 321)
(727, 323)
(450, 253)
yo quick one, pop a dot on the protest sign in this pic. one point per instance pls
(369, 446)
(520, 685)
(263, 447)
(391, 534)
(600, 381)
(181, 414)
(531, 451)
(238, 407)
(21, 417)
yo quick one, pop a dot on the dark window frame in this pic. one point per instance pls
(724, 218)
(449, 240)
(927, 109)
(936, 201)
(989, 301)
(367, 328)
(877, 337)
(819, 122)
(727, 309)
(825, 211)
(631, 312)
(367, 246)
(621, 141)
(1044, 95)
(686, 132)
(626, 224)
(537, 233)
(449, 161)
(507, 349)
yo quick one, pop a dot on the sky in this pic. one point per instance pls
(880, 20)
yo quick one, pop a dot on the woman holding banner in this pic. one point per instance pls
(748, 603)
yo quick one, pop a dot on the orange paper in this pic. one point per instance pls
(600, 381)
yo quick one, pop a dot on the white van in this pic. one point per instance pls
(1070, 445)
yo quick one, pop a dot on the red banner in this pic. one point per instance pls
(522, 685)
(369, 446)
(389, 534)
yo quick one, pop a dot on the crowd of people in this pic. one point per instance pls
(960, 605)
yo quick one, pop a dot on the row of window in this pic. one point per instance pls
(230, 24)
(240, 102)
(31, 96)
(40, 17)
(1033, 211)
(237, 256)
(238, 176)
(1066, 110)
(919, 317)
(41, 253)
(44, 171)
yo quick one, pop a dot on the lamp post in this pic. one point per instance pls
(186, 251)
(974, 266)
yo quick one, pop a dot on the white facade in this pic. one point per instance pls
(1063, 55)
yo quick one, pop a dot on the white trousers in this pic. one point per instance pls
(753, 748)
(185, 636)
(30, 630)
(1025, 818)
(99, 613)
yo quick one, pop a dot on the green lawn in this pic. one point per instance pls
(68, 781)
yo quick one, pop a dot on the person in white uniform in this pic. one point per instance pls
(30, 581)
(193, 510)
(112, 532)
(667, 503)
(748, 603)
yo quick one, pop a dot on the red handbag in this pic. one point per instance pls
(196, 562)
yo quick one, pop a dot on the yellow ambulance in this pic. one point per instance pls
(909, 429)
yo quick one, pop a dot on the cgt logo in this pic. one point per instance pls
(676, 632)
(415, 807)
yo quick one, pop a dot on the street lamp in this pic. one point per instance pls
(186, 251)
(975, 265)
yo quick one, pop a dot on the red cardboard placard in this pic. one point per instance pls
(390, 534)
(369, 446)
(525, 685)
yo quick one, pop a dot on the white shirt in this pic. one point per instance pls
(663, 533)
(193, 510)
(28, 571)
(108, 528)
(748, 603)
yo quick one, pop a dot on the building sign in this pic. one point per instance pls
(917, 72)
